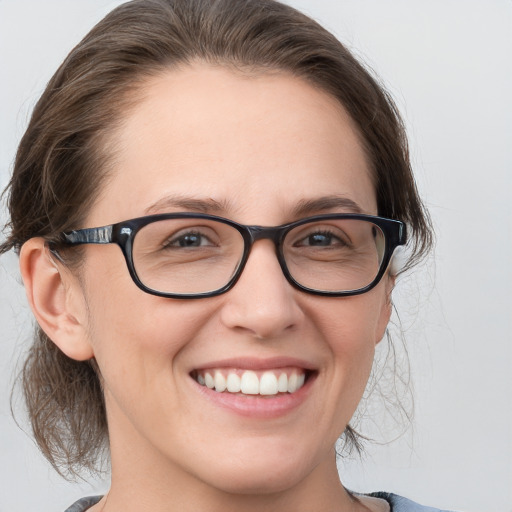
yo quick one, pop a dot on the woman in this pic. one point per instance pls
(256, 179)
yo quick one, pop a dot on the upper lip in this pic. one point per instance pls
(255, 363)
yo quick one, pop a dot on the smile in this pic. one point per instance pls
(248, 382)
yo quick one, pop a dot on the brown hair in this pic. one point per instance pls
(62, 159)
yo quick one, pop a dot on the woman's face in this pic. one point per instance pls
(262, 150)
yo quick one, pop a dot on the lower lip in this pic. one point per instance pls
(256, 406)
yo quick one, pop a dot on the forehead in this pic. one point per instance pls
(251, 143)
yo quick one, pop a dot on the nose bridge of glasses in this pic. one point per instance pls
(265, 233)
(275, 235)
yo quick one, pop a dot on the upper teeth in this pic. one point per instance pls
(250, 383)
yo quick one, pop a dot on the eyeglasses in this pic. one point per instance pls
(193, 255)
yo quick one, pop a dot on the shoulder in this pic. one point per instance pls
(397, 503)
(84, 504)
(401, 504)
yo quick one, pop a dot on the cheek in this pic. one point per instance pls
(351, 329)
(139, 346)
(353, 324)
(136, 331)
(136, 336)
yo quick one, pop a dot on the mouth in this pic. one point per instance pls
(263, 383)
(260, 389)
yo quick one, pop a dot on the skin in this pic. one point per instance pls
(258, 146)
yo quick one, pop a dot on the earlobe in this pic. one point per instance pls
(56, 299)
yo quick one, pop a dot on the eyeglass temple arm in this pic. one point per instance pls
(101, 235)
(402, 234)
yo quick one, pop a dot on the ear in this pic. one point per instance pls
(386, 307)
(56, 299)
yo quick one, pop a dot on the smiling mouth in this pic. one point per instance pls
(249, 382)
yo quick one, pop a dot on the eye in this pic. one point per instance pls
(319, 239)
(188, 239)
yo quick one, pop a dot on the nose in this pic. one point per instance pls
(262, 303)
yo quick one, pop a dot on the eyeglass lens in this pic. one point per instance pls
(193, 256)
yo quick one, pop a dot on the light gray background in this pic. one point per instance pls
(448, 65)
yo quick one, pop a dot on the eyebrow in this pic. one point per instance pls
(203, 205)
(212, 206)
(307, 207)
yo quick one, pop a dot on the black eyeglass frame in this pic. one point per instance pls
(123, 233)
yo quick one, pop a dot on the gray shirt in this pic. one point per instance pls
(396, 503)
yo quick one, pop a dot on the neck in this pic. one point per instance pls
(148, 494)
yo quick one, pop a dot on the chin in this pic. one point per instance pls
(253, 473)
(257, 481)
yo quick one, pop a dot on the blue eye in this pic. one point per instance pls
(190, 239)
(319, 239)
